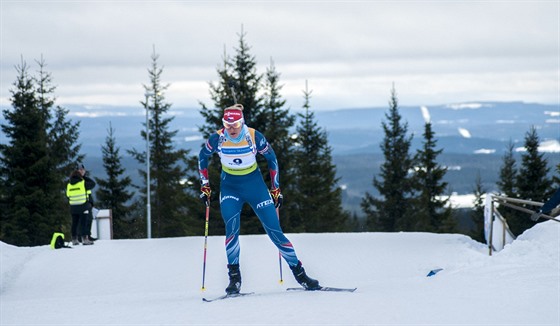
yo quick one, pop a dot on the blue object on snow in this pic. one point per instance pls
(434, 272)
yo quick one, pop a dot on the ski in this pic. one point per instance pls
(242, 294)
(324, 288)
(226, 296)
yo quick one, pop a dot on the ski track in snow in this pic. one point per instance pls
(158, 281)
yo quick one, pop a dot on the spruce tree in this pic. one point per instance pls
(238, 81)
(556, 177)
(246, 85)
(223, 95)
(508, 173)
(477, 213)
(63, 147)
(555, 183)
(394, 185)
(54, 149)
(112, 192)
(54, 180)
(28, 217)
(276, 129)
(45, 90)
(319, 199)
(532, 181)
(429, 211)
(169, 214)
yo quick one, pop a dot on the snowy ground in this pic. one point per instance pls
(158, 282)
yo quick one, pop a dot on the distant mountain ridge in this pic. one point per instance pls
(473, 137)
(460, 128)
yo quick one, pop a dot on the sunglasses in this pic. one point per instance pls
(236, 124)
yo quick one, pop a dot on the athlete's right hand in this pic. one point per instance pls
(277, 197)
(205, 193)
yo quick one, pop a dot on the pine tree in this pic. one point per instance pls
(223, 94)
(508, 173)
(53, 179)
(55, 150)
(47, 140)
(477, 213)
(112, 192)
(169, 214)
(430, 211)
(238, 82)
(44, 91)
(555, 182)
(27, 218)
(388, 213)
(319, 199)
(276, 130)
(63, 148)
(246, 85)
(532, 182)
(556, 177)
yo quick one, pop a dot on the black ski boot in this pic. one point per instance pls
(307, 282)
(234, 279)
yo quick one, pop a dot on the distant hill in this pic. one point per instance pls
(460, 128)
(467, 128)
(473, 137)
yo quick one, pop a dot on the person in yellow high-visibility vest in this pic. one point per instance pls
(78, 191)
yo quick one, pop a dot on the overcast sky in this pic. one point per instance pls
(350, 52)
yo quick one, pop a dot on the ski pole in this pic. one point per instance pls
(205, 245)
(279, 254)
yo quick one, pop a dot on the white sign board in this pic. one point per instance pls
(102, 226)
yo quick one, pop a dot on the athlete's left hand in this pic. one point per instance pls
(277, 197)
(205, 192)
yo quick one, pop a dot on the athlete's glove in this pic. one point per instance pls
(205, 193)
(536, 215)
(277, 197)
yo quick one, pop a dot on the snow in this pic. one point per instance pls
(464, 132)
(485, 151)
(426, 114)
(550, 146)
(470, 106)
(547, 146)
(461, 201)
(158, 281)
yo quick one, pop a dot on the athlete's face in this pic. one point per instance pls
(233, 129)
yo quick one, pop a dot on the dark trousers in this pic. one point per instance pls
(75, 225)
(89, 222)
(81, 223)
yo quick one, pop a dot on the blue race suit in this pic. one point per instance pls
(242, 182)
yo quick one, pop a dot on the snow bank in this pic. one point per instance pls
(158, 281)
